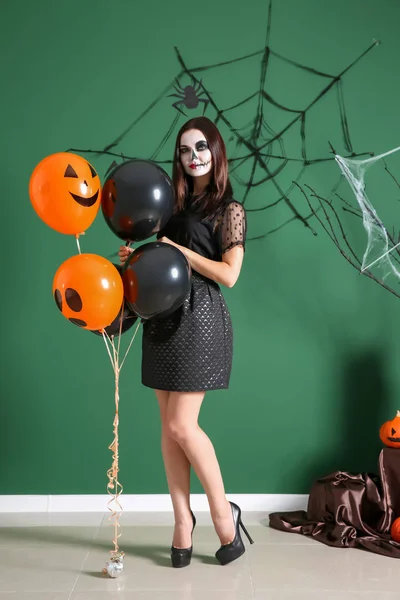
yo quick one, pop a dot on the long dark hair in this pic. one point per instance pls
(219, 188)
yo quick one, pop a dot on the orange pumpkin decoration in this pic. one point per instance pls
(88, 291)
(390, 432)
(395, 530)
(65, 192)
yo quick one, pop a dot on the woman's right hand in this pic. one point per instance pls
(124, 253)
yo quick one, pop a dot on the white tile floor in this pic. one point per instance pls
(61, 556)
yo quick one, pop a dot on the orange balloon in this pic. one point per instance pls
(65, 192)
(88, 291)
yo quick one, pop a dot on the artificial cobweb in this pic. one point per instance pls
(368, 195)
(382, 248)
(271, 131)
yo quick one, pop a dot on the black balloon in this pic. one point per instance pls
(137, 200)
(128, 319)
(156, 280)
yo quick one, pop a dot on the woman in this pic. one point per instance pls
(190, 352)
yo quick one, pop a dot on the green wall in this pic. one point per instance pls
(315, 367)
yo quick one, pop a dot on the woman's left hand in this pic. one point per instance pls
(166, 240)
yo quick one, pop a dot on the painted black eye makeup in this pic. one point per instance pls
(202, 145)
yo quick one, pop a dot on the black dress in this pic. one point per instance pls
(191, 350)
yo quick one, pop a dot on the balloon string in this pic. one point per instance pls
(105, 336)
(120, 326)
(114, 487)
(78, 244)
(130, 344)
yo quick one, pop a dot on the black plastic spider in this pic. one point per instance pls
(189, 96)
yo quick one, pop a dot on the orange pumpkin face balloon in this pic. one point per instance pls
(65, 192)
(88, 291)
(390, 432)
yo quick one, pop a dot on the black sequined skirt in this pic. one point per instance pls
(191, 350)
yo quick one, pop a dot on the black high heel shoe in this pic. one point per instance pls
(181, 557)
(232, 551)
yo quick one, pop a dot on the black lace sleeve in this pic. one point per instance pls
(233, 227)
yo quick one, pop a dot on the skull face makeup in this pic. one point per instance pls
(194, 153)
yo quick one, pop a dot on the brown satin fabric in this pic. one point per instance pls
(351, 511)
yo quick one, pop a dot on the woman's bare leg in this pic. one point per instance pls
(177, 469)
(181, 422)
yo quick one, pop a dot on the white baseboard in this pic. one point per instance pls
(144, 503)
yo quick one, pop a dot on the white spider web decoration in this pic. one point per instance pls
(383, 246)
(270, 132)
